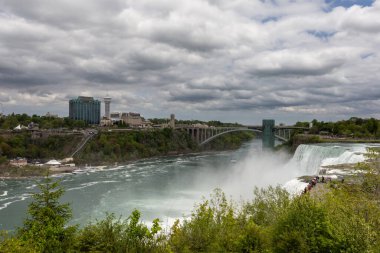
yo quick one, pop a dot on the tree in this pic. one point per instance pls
(115, 235)
(267, 205)
(46, 228)
(303, 227)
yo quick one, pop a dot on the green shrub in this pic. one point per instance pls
(303, 227)
(115, 235)
(216, 225)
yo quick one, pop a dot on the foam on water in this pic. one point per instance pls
(82, 186)
(4, 194)
(118, 168)
(31, 187)
(308, 160)
(294, 186)
(346, 157)
(18, 199)
(85, 185)
(8, 198)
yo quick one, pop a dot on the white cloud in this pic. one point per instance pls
(286, 59)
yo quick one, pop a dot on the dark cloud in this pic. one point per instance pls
(271, 57)
(192, 96)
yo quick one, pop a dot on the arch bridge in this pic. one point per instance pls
(269, 132)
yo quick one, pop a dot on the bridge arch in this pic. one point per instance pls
(237, 130)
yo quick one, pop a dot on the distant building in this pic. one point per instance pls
(132, 119)
(33, 126)
(86, 109)
(19, 162)
(107, 107)
(106, 122)
(51, 115)
(19, 128)
(115, 116)
(172, 121)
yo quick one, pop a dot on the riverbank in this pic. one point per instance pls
(115, 149)
(109, 147)
(30, 171)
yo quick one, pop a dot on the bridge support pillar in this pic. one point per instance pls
(268, 134)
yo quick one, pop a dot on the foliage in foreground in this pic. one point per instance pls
(45, 230)
(302, 224)
(115, 235)
(345, 219)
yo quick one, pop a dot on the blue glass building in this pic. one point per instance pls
(85, 108)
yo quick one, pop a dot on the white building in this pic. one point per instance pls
(132, 119)
(107, 107)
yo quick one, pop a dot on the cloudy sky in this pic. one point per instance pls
(229, 60)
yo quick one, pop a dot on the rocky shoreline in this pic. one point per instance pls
(13, 172)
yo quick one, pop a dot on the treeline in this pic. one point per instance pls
(23, 145)
(13, 120)
(108, 147)
(354, 127)
(128, 145)
(232, 140)
(214, 123)
(343, 218)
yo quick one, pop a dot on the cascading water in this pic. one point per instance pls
(308, 160)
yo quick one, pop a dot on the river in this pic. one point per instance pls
(168, 187)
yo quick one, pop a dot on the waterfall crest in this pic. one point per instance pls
(308, 159)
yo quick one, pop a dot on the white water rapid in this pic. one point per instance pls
(308, 160)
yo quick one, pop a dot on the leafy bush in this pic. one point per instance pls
(267, 205)
(303, 227)
(217, 225)
(115, 235)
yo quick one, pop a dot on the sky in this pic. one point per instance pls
(228, 60)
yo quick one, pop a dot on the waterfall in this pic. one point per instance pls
(308, 159)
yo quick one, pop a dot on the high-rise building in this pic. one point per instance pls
(107, 106)
(85, 108)
(172, 121)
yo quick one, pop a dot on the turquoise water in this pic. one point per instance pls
(164, 187)
(168, 187)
